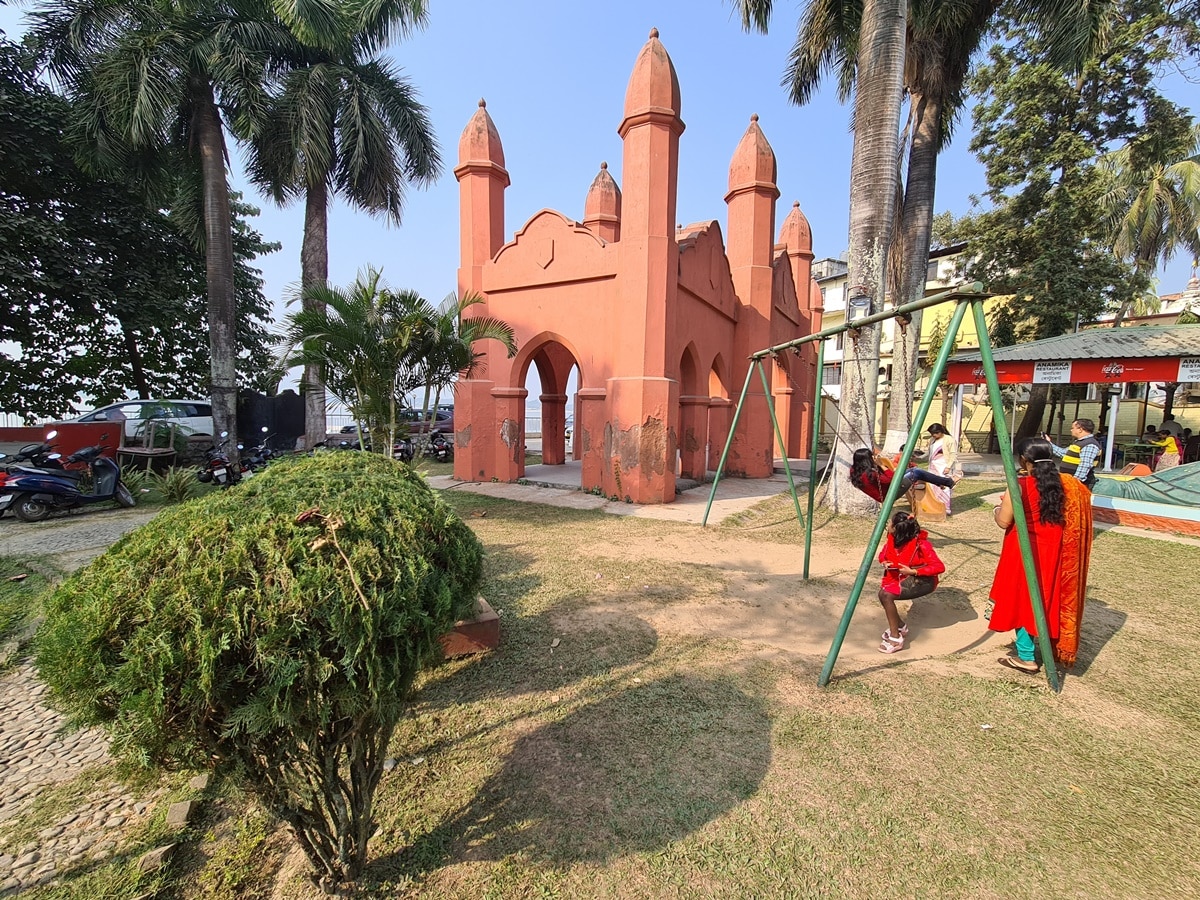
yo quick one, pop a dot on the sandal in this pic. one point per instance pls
(891, 644)
(1019, 665)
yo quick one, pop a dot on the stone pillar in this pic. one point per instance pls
(590, 423)
(509, 459)
(475, 435)
(639, 443)
(720, 414)
(751, 201)
(693, 437)
(782, 394)
(554, 441)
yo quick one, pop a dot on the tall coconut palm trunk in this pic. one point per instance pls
(910, 253)
(314, 270)
(218, 252)
(877, 104)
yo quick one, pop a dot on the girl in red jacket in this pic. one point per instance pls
(911, 568)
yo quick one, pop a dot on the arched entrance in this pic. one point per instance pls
(720, 411)
(550, 357)
(693, 417)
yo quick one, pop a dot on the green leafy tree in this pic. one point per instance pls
(99, 288)
(155, 85)
(1040, 134)
(343, 123)
(273, 633)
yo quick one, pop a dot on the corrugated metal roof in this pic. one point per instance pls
(1137, 342)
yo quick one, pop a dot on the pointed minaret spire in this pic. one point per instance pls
(602, 209)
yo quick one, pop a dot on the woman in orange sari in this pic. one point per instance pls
(1058, 510)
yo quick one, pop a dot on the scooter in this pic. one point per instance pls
(441, 447)
(35, 493)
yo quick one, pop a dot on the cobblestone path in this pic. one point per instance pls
(37, 752)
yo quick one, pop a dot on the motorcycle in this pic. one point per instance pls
(259, 456)
(217, 468)
(34, 493)
(441, 447)
(402, 449)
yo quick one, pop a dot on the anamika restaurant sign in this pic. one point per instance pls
(1080, 371)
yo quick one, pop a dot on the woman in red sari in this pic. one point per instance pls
(1058, 510)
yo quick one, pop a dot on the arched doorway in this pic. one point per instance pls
(693, 417)
(720, 411)
(551, 374)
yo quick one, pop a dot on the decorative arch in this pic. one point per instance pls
(693, 416)
(554, 357)
(718, 379)
(720, 410)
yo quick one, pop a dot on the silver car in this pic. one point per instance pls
(194, 417)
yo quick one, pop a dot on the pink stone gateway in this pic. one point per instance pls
(659, 319)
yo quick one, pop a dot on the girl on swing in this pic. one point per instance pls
(872, 474)
(911, 568)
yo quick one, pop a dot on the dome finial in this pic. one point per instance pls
(753, 117)
(482, 103)
(653, 33)
(604, 165)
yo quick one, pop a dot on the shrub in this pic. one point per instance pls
(175, 485)
(272, 631)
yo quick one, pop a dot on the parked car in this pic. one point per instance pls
(443, 421)
(194, 417)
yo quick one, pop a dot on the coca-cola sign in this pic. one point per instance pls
(1112, 370)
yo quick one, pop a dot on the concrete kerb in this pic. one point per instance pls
(734, 495)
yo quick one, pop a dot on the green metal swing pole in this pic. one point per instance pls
(1014, 491)
(953, 294)
(893, 491)
(728, 443)
(957, 294)
(818, 405)
(762, 373)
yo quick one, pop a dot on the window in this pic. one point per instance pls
(833, 374)
(931, 270)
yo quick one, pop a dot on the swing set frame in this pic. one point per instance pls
(964, 296)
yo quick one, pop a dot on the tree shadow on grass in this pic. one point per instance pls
(632, 772)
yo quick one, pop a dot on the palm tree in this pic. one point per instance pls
(940, 42)
(878, 69)
(1153, 203)
(450, 353)
(346, 125)
(364, 342)
(158, 83)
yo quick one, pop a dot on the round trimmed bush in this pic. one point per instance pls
(272, 630)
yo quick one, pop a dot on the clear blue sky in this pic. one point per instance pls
(554, 76)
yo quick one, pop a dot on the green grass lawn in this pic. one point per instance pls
(625, 761)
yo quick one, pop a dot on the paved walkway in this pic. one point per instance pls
(38, 751)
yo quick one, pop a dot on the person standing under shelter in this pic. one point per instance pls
(1079, 459)
(1171, 427)
(1058, 511)
(943, 461)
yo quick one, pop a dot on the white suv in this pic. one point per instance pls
(194, 417)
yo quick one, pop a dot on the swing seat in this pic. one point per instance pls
(927, 507)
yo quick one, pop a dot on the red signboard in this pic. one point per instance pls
(1083, 371)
